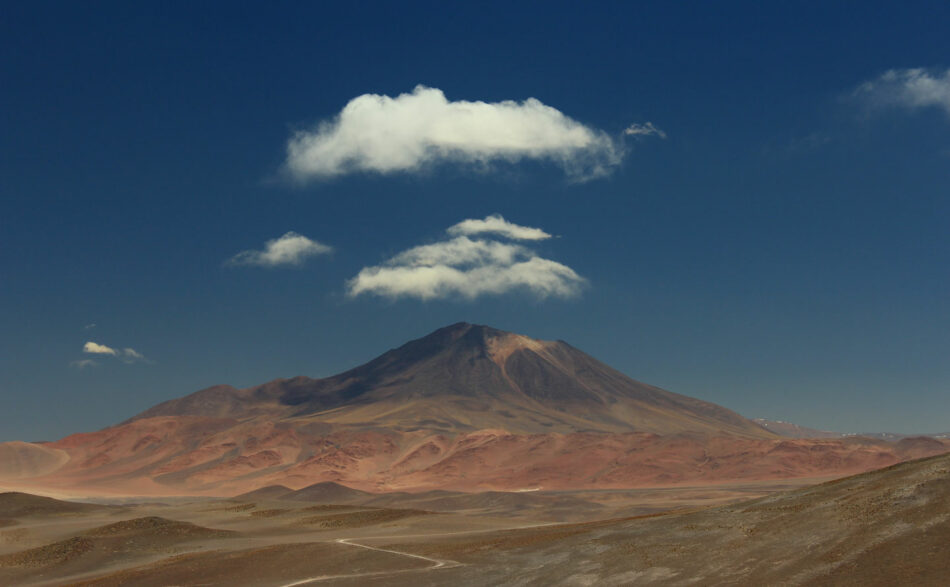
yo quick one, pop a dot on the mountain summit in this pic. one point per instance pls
(467, 377)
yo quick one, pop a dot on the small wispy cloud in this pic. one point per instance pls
(412, 131)
(89, 326)
(496, 224)
(98, 349)
(908, 88)
(130, 355)
(126, 355)
(292, 249)
(467, 268)
(644, 130)
(83, 364)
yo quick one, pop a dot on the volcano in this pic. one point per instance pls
(467, 407)
(466, 377)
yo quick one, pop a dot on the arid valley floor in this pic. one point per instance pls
(885, 527)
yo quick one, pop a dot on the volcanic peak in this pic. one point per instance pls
(466, 377)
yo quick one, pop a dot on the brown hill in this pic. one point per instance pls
(27, 459)
(268, 492)
(150, 527)
(139, 539)
(327, 492)
(14, 504)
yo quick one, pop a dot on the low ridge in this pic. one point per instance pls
(326, 492)
(15, 504)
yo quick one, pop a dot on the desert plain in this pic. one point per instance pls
(885, 527)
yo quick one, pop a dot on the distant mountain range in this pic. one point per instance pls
(795, 431)
(467, 407)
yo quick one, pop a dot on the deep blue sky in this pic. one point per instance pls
(784, 252)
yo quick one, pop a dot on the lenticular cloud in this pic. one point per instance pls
(382, 134)
(468, 268)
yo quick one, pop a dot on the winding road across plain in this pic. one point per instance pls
(436, 563)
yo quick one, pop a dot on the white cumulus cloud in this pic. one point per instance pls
(908, 88)
(644, 130)
(470, 267)
(496, 224)
(382, 134)
(290, 249)
(98, 349)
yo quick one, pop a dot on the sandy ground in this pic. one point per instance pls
(882, 528)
